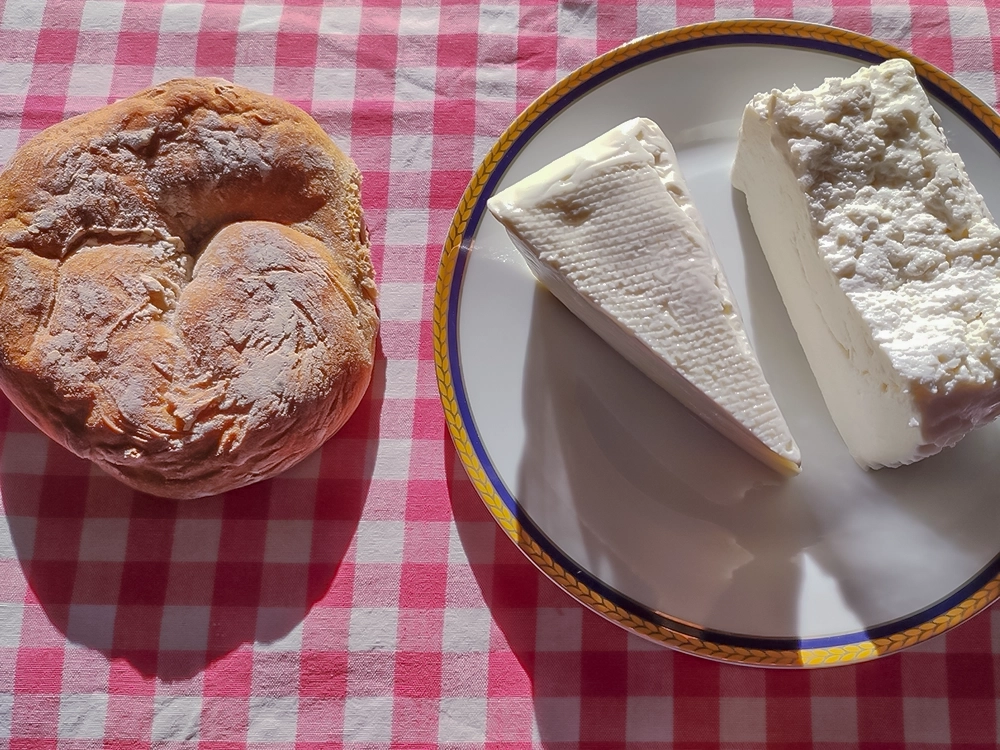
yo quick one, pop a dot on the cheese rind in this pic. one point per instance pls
(611, 230)
(885, 256)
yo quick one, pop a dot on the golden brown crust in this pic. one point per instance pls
(187, 293)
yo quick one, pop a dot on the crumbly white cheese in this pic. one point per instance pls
(611, 230)
(885, 256)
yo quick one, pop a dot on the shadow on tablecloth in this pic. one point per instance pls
(170, 587)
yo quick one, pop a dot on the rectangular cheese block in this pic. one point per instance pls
(885, 256)
(611, 230)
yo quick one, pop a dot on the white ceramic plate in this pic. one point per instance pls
(627, 500)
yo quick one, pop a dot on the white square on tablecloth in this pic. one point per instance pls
(196, 539)
(418, 20)
(184, 627)
(308, 468)
(104, 539)
(273, 632)
(90, 80)
(256, 77)
(401, 300)
(23, 16)
(410, 153)
(24, 452)
(102, 15)
(498, 19)
(10, 624)
(891, 22)
(272, 719)
(577, 20)
(416, 84)
(14, 79)
(559, 629)
(931, 646)
(979, 82)
(742, 720)
(834, 719)
(651, 18)
(407, 226)
(462, 720)
(181, 17)
(163, 73)
(638, 643)
(466, 630)
(333, 84)
(288, 541)
(6, 702)
(373, 629)
(92, 624)
(813, 11)
(260, 17)
(734, 9)
(340, 20)
(8, 143)
(496, 83)
(379, 542)
(474, 543)
(81, 717)
(925, 721)
(649, 718)
(400, 378)
(23, 527)
(968, 21)
(392, 459)
(557, 719)
(176, 718)
(368, 719)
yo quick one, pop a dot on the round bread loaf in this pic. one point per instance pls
(187, 293)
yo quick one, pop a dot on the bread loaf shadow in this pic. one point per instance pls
(169, 587)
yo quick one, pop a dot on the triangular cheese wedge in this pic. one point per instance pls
(611, 231)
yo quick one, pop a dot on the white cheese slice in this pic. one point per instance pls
(611, 231)
(885, 256)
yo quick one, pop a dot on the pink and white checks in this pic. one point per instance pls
(366, 599)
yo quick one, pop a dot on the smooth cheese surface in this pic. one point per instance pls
(885, 255)
(611, 230)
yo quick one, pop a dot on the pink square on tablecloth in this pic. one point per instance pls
(136, 48)
(34, 717)
(423, 585)
(97, 582)
(789, 718)
(420, 630)
(464, 674)
(230, 676)
(320, 721)
(56, 46)
(129, 717)
(418, 674)
(323, 674)
(39, 670)
(224, 719)
(284, 585)
(275, 673)
(415, 720)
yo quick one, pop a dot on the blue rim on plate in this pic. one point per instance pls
(973, 597)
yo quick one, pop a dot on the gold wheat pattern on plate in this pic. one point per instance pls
(456, 240)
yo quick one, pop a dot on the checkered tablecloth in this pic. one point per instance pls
(366, 599)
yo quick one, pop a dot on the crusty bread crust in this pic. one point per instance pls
(187, 292)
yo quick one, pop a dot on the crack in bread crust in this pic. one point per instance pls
(186, 290)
